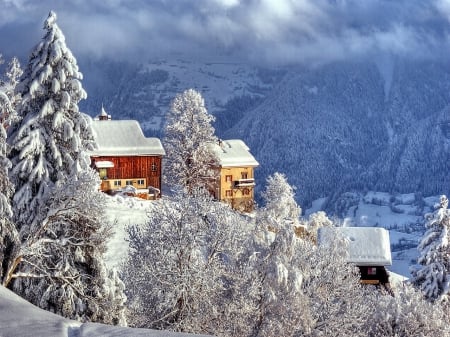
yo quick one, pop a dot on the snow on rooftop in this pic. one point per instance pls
(123, 137)
(368, 246)
(234, 153)
(103, 112)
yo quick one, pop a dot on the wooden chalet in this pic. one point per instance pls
(236, 182)
(125, 159)
(368, 248)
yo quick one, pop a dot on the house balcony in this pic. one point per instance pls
(242, 183)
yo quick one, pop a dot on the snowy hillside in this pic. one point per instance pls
(144, 92)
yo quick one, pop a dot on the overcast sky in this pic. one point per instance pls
(273, 31)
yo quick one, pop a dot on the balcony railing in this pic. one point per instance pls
(244, 183)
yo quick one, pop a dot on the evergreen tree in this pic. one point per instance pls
(58, 210)
(8, 102)
(190, 162)
(48, 143)
(432, 277)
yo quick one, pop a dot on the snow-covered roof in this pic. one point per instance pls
(123, 138)
(368, 246)
(234, 153)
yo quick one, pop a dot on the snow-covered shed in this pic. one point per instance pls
(368, 248)
(125, 157)
(237, 181)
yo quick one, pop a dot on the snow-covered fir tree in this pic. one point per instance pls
(47, 144)
(9, 98)
(8, 102)
(190, 162)
(432, 276)
(58, 210)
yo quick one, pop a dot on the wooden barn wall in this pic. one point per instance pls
(134, 167)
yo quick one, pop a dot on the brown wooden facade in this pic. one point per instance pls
(141, 172)
(125, 159)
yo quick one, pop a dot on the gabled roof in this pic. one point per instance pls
(368, 246)
(234, 153)
(123, 138)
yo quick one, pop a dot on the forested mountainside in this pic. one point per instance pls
(345, 126)
(350, 126)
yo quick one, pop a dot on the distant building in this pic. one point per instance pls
(368, 248)
(236, 182)
(125, 159)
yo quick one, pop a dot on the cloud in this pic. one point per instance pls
(264, 31)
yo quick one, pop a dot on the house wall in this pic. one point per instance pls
(233, 190)
(373, 275)
(133, 168)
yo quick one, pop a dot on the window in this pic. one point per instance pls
(102, 173)
(246, 191)
(244, 175)
(229, 178)
(117, 183)
(154, 167)
(371, 270)
(228, 193)
(129, 182)
(141, 182)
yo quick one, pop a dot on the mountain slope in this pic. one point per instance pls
(341, 127)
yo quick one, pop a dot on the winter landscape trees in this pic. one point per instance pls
(433, 275)
(54, 245)
(182, 265)
(8, 102)
(196, 265)
(189, 163)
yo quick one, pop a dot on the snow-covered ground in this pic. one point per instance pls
(122, 212)
(18, 318)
